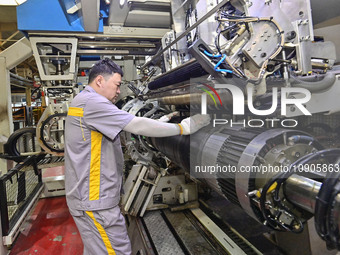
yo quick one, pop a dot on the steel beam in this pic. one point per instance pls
(9, 58)
(114, 32)
(17, 53)
(6, 119)
(90, 15)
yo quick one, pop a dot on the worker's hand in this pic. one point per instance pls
(168, 117)
(194, 123)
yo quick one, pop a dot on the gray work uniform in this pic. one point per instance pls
(93, 172)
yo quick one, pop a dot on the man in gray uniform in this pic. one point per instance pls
(94, 159)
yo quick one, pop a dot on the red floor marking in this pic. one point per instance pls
(50, 229)
(53, 171)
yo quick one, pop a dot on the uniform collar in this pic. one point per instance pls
(90, 89)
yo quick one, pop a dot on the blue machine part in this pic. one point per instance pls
(51, 15)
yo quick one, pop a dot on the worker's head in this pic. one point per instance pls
(105, 78)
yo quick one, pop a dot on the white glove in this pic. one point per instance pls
(168, 117)
(194, 123)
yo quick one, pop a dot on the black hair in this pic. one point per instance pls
(104, 67)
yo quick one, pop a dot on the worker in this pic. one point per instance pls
(94, 158)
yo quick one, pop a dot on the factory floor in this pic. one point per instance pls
(50, 229)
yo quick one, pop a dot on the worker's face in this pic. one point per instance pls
(110, 86)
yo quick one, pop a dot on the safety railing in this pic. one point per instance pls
(18, 187)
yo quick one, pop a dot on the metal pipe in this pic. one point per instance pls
(183, 99)
(302, 191)
(195, 99)
(114, 52)
(111, 44)
(22, 79)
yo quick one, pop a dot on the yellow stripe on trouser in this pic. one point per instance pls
(103, 234)
(75, 111)
(96, 148)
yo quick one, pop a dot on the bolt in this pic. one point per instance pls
(254, 43)
(263, 55)
(259, 49)
(291, 35)
(292, 109)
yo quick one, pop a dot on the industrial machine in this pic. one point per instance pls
(265, 73)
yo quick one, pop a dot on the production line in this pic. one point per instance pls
(261, 178)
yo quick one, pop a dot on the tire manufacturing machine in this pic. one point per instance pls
(263, 178)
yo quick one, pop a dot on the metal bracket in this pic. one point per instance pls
(43, 57)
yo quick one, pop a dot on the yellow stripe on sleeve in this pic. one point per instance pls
(181, 129)
(94, 182)
(103, 234)
(76, 111)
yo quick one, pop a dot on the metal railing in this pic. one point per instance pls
(18, 187)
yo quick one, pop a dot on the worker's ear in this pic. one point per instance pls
(99, 81)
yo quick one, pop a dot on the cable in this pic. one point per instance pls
(219, 62)
(212, 55)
